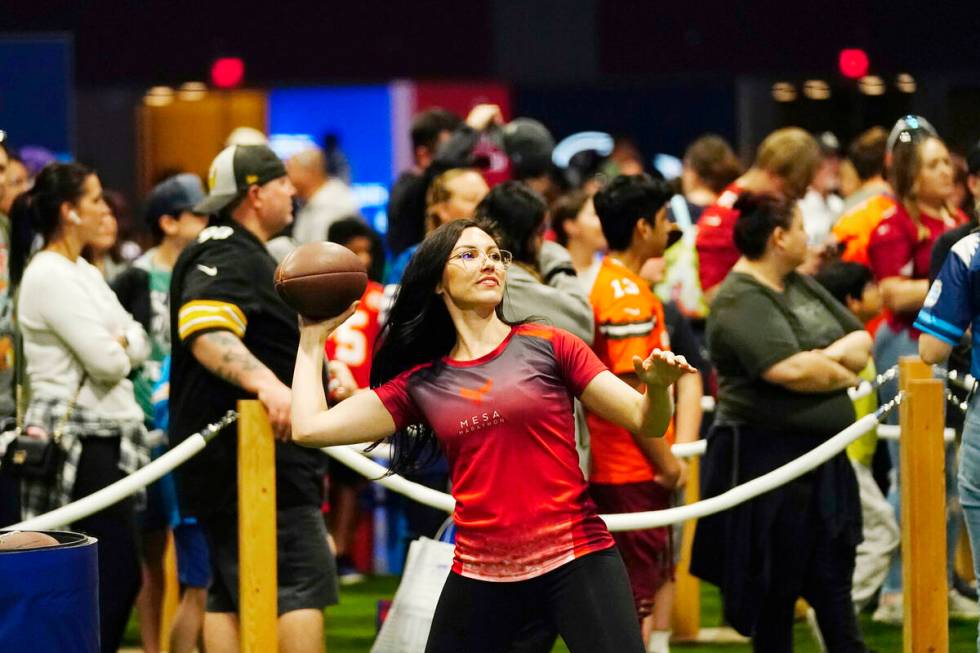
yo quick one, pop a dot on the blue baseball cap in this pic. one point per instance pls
(173, 196)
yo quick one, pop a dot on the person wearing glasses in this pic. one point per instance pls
(899, 251)
(496, 397)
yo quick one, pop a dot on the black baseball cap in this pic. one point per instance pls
(529, 145)
(234, 170)
(173, 196)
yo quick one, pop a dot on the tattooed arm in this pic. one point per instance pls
(226, 356)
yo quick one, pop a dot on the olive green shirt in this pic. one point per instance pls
(750, 328)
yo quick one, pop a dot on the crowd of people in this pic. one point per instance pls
(533, 344)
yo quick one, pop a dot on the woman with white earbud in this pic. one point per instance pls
(79, 346)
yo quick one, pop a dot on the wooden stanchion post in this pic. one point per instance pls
(686, 617)
(256, 530)
(923, 485)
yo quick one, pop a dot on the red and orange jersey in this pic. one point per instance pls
(506, 425)
(629, 322)
(353, 341)
(854, 228)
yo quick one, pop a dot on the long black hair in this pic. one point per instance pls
(420, 330)
(519, 214)
(37, 212)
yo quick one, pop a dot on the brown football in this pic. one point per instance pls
(320, 280)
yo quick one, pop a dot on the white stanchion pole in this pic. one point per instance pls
(118, 491)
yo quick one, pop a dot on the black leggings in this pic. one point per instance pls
(115, 528)
(588, 601)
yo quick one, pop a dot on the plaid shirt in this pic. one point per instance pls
(38, 497)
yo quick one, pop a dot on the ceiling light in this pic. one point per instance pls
(905, 83)
(816, 89)
(783, 92)
(159, 96)
(872, 85)
(192, 91)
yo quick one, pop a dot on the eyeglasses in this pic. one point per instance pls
(471, 256)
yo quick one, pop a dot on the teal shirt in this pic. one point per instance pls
(149, 373)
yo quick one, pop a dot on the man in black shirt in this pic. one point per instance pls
(440, 142)
(233, 338)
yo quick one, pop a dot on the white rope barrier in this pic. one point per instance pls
(681, 450)
(749, 490)
(352, 456)
(689, 449)
(124, 487)
(894, 432)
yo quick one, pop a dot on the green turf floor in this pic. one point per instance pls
(351, 625)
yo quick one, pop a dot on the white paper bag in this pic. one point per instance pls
(407, 627)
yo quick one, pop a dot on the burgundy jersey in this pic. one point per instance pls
(505, 424)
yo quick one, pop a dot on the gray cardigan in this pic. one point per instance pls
(560, 302)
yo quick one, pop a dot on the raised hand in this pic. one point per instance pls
(326, 327)
(661, 368)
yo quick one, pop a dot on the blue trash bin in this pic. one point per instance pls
(49, 597)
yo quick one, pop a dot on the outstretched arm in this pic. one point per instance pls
(361, 418)
(646, 414)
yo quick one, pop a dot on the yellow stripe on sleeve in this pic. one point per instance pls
(202, 314)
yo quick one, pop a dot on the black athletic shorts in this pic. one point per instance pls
(307, 570)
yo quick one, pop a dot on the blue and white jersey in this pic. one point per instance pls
(953, 302)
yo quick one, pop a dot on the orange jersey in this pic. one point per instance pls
(353, 341)
(629, 322)
(855, 227)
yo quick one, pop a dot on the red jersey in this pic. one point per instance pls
(896, 249)
(505, 423)
(353, 341)
(715, 241)
(629, 322)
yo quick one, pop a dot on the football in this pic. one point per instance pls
(320, 280)
(25, 540)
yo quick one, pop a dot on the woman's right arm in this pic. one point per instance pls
(361, 418)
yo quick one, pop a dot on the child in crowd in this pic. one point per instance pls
(853, 285)
(349, 351)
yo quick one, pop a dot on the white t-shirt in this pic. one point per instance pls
(819, 215)
(70, 320)
(331, 202)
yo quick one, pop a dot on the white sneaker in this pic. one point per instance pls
(659, 642)
(889, 613)
(961, 607)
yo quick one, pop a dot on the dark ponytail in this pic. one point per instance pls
(37, 212)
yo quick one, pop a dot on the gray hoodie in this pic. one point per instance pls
(558, 299)
(555, 298)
